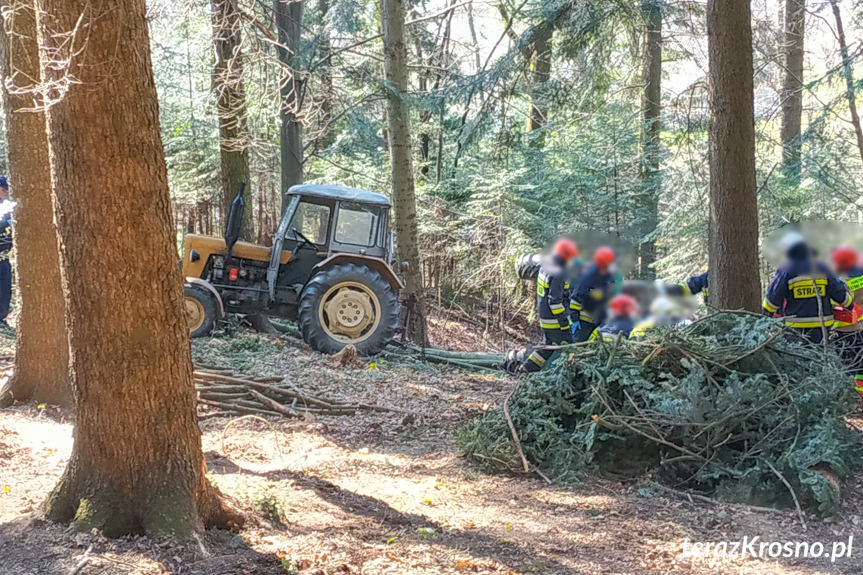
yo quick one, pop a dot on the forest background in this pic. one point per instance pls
(530, 119)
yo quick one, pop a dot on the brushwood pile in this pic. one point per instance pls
(734, 407)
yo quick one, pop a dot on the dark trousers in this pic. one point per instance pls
(5, 285)
(584, 331)
(534, 360)
(813, 334)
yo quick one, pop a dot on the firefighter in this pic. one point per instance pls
(847, 327)
(7, 206)
(665, 312)
(693, 286)
(624, 310)
(552, 294)
(589, 298)
(802, 290)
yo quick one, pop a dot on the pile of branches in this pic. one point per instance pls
(735, 406)
(223, 392)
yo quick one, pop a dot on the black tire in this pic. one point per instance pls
(207, 305)
(376, 337)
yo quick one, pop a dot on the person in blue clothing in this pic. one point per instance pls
(624, 311)
(589, 298)
(693, 286)
(804, 290)
(6, 207)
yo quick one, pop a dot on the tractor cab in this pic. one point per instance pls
(330, 236)
(338, 219)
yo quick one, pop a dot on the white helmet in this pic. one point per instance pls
(664, 306)
(790, 240)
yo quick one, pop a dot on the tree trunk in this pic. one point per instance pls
(399, 137)
(792, 89)
(540, 72)
(327, 135)
(42, 353)
(231, 108)
(538, 52)
(849, 77)
(289, 16)
(651, 146)
(136, 465)
(733, 228)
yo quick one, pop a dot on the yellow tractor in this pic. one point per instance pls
(329, 268)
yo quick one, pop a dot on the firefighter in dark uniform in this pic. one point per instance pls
(589, 298)
(847, 327)
(552, 294)
(693, 286)
(623, 310)
(802, 291)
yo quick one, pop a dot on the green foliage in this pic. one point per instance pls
(268, 506)
(710, 407)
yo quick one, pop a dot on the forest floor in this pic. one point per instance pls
(389, 493)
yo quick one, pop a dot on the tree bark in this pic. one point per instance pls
(651, 146)
(289, 16)
(540, 72)
(136, 465)
(849, 77)
(792, 89)
(231, 108)
(538, 54)
(399, 137)
(327, 135)
(41, 352)
(733, 227)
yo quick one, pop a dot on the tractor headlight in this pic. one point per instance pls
(194, 256)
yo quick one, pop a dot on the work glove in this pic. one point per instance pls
(576, 325)
(563, 321)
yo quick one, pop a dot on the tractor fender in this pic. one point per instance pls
(376, 264)
(209, 287)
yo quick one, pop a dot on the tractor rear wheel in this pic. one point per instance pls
(348, 304)
(200, 309)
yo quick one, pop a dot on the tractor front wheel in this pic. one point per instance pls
(200, 309)
(348, 304)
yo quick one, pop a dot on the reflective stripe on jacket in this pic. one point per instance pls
(552, 291)
(799, 286)
(591, 295)
(853, 278)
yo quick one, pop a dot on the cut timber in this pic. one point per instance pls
(222, 389)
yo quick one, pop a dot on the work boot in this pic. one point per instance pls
(511, 362)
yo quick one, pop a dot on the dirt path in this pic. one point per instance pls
(383, 493)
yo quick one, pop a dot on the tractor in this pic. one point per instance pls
(329, 269)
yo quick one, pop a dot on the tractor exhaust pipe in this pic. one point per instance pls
(235, 219)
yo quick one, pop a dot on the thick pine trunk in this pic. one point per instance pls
(42, 352)
(289, 17)
(231, 108)
(792, 88)
(136, 465)
(651, 146)
(733, 241)
(399, 137)
(848, 73)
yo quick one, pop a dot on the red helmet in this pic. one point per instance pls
(844, 257)
(603, 257)
(623, 304)
(566, 249)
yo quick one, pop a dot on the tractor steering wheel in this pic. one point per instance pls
(305, 241)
